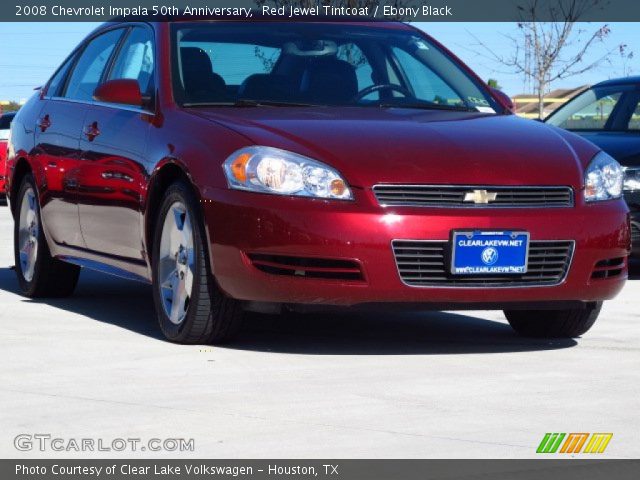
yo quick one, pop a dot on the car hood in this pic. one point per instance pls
(393, 145)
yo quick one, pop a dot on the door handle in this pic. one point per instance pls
(91, 131)
(44, 123)
(117, 176)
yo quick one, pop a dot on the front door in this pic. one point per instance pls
(113, 172)
(111, 181)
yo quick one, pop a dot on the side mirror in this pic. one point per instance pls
(124, 91)
(503, 99)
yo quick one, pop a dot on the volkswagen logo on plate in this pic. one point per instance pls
(489, 256)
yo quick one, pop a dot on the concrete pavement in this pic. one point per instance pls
(444, 385)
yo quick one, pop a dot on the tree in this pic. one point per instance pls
(544, 52)
(493, 83)
(10, 106)
(625, 58)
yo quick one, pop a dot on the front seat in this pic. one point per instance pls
(267, 86)
(329, 80)
(200, 82)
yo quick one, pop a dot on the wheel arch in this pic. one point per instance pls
(163, 176)
(21, 169)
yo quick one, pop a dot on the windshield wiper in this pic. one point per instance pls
(429, 106)
(245, 102)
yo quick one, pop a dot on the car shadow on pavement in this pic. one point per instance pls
(104, 298)
(420, 333)
(129, 305)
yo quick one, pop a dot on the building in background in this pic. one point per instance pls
(527, 104)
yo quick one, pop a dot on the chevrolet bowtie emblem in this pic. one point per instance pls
(480, 196)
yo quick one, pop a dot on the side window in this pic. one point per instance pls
(87, 72)
(634, 121)
(593, 114)
(426, 84)
(57, 82)
(136, 60)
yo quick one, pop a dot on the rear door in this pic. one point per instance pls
(113, 174)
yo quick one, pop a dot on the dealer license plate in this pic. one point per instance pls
(481, 252)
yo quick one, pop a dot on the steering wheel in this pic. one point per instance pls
(384, 86)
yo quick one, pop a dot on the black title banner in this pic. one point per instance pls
(405, 10)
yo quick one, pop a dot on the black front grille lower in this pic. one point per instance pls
(472, 196)
(612, 267)
(424, 263)
(635, 234)
(307, 267)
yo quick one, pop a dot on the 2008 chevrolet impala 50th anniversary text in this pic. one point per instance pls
(260, 166)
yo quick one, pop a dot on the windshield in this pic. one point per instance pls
(317, 64)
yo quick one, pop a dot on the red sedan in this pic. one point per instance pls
(5, 124)
(261, 166)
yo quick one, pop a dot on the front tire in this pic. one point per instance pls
(39, 274)
(554, 323)
(190, 307)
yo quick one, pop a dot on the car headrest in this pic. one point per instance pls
(194, 60)
(329, 80)
(265, 86)
(199, 79)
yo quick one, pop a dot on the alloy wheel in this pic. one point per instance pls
(176, 263)
(28, 234)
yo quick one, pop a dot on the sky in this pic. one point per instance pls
(30, 52)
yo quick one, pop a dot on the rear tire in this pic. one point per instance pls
(39, 274)
(554, 323)
(190, 307)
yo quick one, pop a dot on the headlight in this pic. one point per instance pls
(632, 179)
(603, 179)
(271, 170)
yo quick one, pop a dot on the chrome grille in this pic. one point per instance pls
(635, 234)
(454, 196)
(425, 263)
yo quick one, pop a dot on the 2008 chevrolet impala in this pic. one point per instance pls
(255, 166)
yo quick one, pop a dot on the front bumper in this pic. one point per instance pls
(243, 223)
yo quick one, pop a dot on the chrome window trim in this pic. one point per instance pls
(80, 48)
(476, 187)
(483, 287)
(117, 106)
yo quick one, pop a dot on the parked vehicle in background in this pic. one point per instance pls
(5, 125)
(608, 114)
(260, 166)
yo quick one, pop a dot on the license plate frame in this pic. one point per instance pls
(482, 241)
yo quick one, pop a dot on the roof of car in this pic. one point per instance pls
(620, 81)
(391, 24)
